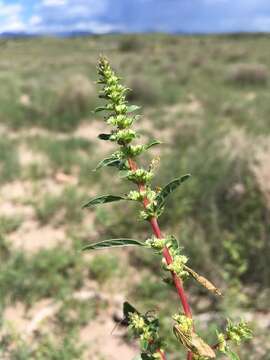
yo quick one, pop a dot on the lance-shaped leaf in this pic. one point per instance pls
(123, 173)
(100, 108)
(104, 136)
(103, 200)
(132, 108)
(203, 281)
(231, 354)
(168, 189)
(145, 356)
(111, 161)
(113, 243)
(152, 143)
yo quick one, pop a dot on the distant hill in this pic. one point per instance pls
(82, 33)
(60, 34)
(16, 35)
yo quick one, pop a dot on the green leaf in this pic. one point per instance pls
(111, 161)
(168, 189)
(103, 200)
(145, 356)
(136, 117)
(100, 108)
(104, 136)
(175, 244)
(153, 143)
(132, 108)
(113, 243)
(232, 355)
(123, 174)
(128, 308)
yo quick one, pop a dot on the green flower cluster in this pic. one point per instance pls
(140, 195)
(121, 121)
(115, 94)
(149, 212)
(121, 118)
(179, 260)
(238, 332)
(234, 332)
(185, 323)
(147, 331)
(140, 176)
(156, 244)
(133, 150)
(178, 265)
(123, 136)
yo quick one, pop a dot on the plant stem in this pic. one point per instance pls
(177, 281)
(163, 356)
(215, 346)
(166, 253)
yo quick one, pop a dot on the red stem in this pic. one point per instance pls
(177, 281)
(166, 253)
(163, 357)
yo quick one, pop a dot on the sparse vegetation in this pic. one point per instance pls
(60, 209)
(212, 126)
(30, 278)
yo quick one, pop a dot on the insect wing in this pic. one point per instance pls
(203, 281)
(194, 343)
(129, 309)
(182, 337)
(200, 347)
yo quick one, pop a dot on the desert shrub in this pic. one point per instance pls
(103, 267)
(58, 106)
(60, 209)
(224, 211)
(235, 55)
(67, 348)
(74, 99)
(144, 91)
(130, 43)
(248, 74)
(9, 224)
(9, 161)
(46, 347)
(63, 153)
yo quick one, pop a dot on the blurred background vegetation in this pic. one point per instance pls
(207, 98)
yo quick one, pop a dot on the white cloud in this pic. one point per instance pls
(8, 10)
(69, 15)
(11, 17)
(92, 26)
(52, 16)
(54, 2)
(95, 26)
(35, 20)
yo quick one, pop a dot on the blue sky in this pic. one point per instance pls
(101, 16)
